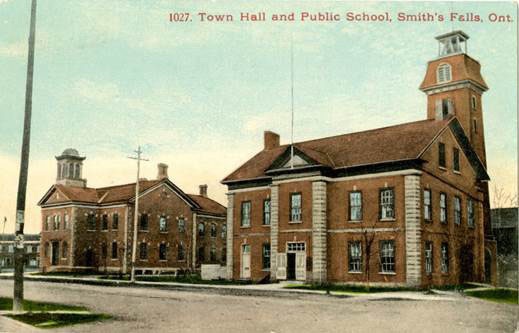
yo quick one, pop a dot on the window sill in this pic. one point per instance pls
(265, 270)
(387, 273)
(456, 172)
(115, 230)
(114, 259)
(163, 232)
(354, 272)
(143, 230)
(295, 222)
(104, 230)
(392, 219)
(428, 221)
(91, 230)
(354, 221)
(145, 260)
(442, 168)
(244, 226)
(163, 260)
(266, 225)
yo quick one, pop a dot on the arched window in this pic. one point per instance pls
(212, 253)
(77, 173)
(71, 170)
(443, 73)
(201, 229)
(213, 230)
(59, 171)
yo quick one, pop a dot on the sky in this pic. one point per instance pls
(112, 75)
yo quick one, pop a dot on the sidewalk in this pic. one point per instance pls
(272, 289)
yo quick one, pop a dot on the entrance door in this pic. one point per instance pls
(55, 253)
(291, 266)
(89, 258)
(245, 262)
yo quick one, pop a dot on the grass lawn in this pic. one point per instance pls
(7, 304)
(500, 295)
(346, 288)
(53, 320)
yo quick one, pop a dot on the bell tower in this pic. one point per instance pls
(70, 168)
(454, 87)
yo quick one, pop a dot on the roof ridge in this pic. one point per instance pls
(122, 185)
(365, 131)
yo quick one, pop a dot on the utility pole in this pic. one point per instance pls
(24, 166)
(136, 211)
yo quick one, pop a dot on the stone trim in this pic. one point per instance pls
(229, 236)
(73, 222)
(413, 230)
(274, 230)
(319, 250)
(193, 245)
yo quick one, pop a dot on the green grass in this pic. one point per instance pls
(53, 320)
(500, 295)
(346, 288)
(7, 304)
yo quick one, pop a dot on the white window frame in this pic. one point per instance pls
(355, 201)
(355, 256)
(246, 208)
(457, 209)
(444, 73)
(296, 247)
(163, 223)
(387, 256)
(296, 214)
(427, 201)
(443, 208)
(428, 258)
(387, 204)
(470, 213)
(444, 249)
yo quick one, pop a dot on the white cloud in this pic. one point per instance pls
(16, 49)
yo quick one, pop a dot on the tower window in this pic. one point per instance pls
(475, 126)
(473, 102)
(443, 73)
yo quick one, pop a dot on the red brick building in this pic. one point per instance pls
(92, 228)
(400, 205)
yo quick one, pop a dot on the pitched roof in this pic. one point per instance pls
(388, 144)
(208, 205)
(126, 192)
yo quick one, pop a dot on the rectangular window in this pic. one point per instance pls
(355, 257)
(295, 207)
(443, 208)
(456, 159)
(355, 206)
(213, 230)
(427, 211)
(470, 212)
(104, 222)
(266, 212)
(245, 213)
(144, 222)
(296, 247)
(387, 256)
(441, 155)
(387, 204)
(445, 108)
(457, 210)
(143, 251)
(104, 251)
(473, 102)
(181, 225)
(201, 254)
(91, 222)
(265, 255)
(163, 250)
(445, 258)
(65, 221)
(180, 254)
(114, 250)
(163, 224)
(47, 223)
(475, 125)
(115, 221)
(428, 258)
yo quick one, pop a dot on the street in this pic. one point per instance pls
(149, 309)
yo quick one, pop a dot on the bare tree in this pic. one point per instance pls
(368, 237)
(502, 199)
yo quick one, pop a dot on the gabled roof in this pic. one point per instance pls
(387, 144)
(404, 142)
(126, 193)
(208, 205)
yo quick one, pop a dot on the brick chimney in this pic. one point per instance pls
(162, 171)
(271, 140)
(203, 190)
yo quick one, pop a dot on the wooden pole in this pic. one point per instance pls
(24, 166)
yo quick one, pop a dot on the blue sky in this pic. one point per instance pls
(110, 75)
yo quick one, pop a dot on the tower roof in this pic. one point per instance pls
(452, 34)
(70, 153)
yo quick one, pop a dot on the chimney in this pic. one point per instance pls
(203, 190)
(162, 171)
(271, 140)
